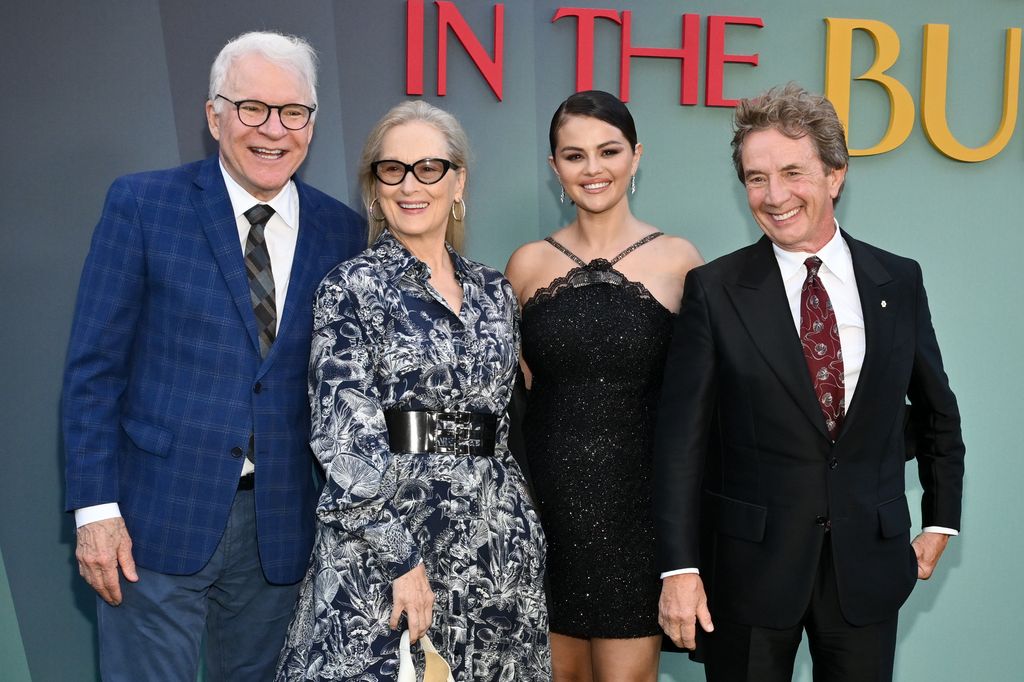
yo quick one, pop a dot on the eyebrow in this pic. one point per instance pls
(787, 167)
(600, 146)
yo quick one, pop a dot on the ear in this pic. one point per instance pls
(212, 120)
(836, 178)
(638, 151)
(551, 162)
(460, 182)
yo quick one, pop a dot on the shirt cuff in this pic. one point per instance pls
(97, 512)
(680, 571)
(940, 529)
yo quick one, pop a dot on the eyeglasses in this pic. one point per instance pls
(254, 113)
(428, 171)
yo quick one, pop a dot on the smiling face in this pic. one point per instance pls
(594, 162)
(261, 159)
(413, 210)
(789, 190)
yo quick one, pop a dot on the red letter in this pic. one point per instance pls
(687, 54)
(491, 69)
(585, 40)
(716, 58)
(414, 47)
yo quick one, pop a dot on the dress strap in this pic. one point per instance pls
(636, 245)
(567, 252)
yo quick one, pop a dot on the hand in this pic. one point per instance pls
(103, 547)
(928, 547)
(683, 604)
(412, 594)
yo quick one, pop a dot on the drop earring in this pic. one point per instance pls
(632, 185)
(561, 195)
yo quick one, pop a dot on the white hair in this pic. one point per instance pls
(288, 52)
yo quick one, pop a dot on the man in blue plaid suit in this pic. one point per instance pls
(185, 410)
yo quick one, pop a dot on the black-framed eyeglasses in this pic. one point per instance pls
(254, 113)
(428, 171)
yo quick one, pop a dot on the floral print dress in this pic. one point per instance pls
(384, 338)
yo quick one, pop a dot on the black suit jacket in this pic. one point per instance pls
(746, 478)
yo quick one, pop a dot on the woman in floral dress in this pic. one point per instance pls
(424, 522)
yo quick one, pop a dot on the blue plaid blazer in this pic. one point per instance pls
(164, 381)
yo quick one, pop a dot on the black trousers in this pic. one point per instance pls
(840, 652)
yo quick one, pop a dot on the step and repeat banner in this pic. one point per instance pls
(929, 91)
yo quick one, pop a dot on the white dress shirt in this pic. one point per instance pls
(281, 233)
(836, 274)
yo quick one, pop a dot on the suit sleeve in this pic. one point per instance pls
(349, 435)
(685, 416)
(939, 443)
(98, 364)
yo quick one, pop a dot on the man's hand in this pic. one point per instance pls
(683, 604)
(928, 547)
(103, 547)
(411, 593)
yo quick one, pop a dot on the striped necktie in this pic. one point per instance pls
(261, 276)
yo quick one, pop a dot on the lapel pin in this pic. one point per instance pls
(883, 303)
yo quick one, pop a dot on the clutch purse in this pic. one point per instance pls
(437, 669)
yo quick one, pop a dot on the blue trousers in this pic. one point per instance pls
(155, 634)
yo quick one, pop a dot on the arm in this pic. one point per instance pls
(349, 435)
(939, 444)
(98, 366)
(685, 415)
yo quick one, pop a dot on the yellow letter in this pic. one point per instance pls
(838, 74)
(934, 77)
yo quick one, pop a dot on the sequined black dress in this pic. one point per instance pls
(595, 343)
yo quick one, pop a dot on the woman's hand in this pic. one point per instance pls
(412, 594)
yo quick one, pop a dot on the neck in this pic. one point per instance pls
(601, 231)
(428, 248)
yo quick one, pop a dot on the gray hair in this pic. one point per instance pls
(795, 113)
(458, 153)
(287, 51)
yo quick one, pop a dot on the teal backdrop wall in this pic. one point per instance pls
(95, 90)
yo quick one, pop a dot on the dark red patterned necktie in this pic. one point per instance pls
(819, 335)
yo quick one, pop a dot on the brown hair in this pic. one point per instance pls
(795, 113)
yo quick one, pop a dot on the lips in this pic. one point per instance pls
(412, 206)
(596, 186)
(779, 217)
(267, 154)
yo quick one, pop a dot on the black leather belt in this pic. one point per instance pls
(460, 433)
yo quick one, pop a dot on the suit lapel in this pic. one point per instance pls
(878, 306)
(305, 254)
(213, 207)
(760, 301)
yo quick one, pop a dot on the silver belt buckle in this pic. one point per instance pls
(452, 433)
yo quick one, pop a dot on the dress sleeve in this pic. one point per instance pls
(349, 435)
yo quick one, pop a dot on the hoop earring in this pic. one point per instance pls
(561, 195)
(459, 218)
(632, 185)
(376, 202)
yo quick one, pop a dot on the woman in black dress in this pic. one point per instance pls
(597, 296)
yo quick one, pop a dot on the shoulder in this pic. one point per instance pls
(528, 267)
(354, 273)
(526, 258)
(158, 181)
(327, 210)
(677, 253)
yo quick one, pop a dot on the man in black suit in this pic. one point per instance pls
(780, 454)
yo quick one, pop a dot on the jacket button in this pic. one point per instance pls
(257, 388)
(236, 452)
(820, 521)
(833, 463)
